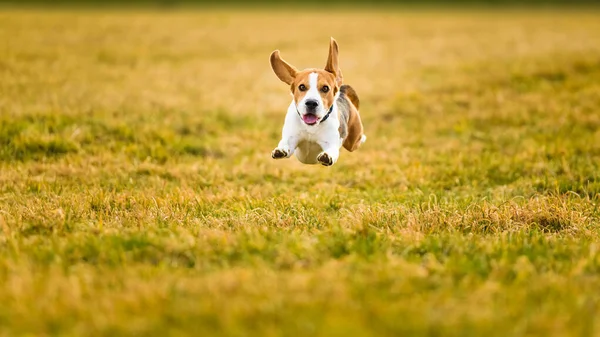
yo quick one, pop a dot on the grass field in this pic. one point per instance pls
(138, 196)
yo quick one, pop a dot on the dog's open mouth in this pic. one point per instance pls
(310, 119)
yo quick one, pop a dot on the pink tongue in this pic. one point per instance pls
(309, 119)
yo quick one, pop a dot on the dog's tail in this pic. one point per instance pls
(347, 91)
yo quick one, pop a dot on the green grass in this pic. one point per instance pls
(138, 197)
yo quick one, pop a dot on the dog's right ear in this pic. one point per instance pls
(285, 71)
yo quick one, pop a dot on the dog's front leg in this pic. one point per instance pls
(289, 137)
(331, 149)
(286, 147)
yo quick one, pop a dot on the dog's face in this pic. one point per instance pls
(313, 90)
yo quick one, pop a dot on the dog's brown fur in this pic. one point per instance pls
(353, 123)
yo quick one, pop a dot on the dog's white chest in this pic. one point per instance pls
(311, 144)
(311, 140)
(307, 151)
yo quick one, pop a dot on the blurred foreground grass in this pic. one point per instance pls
(137, 193)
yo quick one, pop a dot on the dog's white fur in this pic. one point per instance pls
(311, 142)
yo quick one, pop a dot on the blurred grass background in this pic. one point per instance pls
(138, 197)
(313, 3)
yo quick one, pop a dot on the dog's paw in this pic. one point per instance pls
(280, 153)
(325, 159)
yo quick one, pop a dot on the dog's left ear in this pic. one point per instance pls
(332, 65)
(284, 71)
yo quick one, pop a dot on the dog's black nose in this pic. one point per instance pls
(311, 104)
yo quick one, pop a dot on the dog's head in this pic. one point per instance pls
(313, 90)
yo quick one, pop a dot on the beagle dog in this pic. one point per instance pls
(323, 115)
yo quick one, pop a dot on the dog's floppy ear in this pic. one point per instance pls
(285, 71)
(332, 65)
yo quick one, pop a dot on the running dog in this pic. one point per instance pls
(323, 115)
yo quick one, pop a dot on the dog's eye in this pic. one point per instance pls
(302, 87)
(325, 88)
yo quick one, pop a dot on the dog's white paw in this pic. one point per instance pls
(325, 159)
(363, 139)
(280, 153)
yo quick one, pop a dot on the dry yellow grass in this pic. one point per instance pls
(137, 193)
